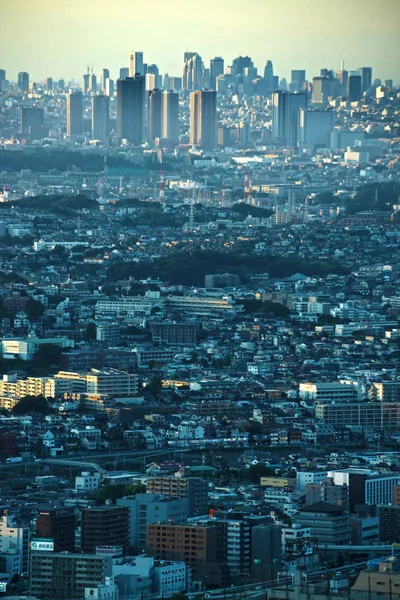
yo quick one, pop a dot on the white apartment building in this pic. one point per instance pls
(25, 348)
(15, 541)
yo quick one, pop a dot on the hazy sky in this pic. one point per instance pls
(59, 38)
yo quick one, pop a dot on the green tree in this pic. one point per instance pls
(34, 309)
(47, 355)
(32, 404)
(90, 332)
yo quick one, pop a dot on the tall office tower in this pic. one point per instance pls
(15, 540)
(61, 85)
(285, 116)
(86, 78)
(354, 88)
(283, 84)
(342, 76)
(193, 73)
(269, 76)
(3, 81)
(100, 118)
(327, 73)
(203, 119)
(23, 81)
(239, 64)
(136, 66)
(298, 80)
(59, 525)
(216, 69)
(206, 82)
(31, 117)
(321, 89)
(366, 78)
(130, 109)
(389, 83)
(75, 113)
(154, 70)
(105, 75)
(150, 82)
(154, 115)
(92, 83)
(124, 72)
(109, 90)
(49, 84)
(104, 525)
(57, 576)
(170, 116)
(315, 128)
(187, 57)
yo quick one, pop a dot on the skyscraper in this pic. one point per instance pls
(170, 116)
(100, 118)
(92, 83)
(124, 72)
(136, 66)
(23, 81)
(31, 117)
(192, 72)
(285, 116)
(354, 88)
(216, 69)
(269, 76)
(154, 115)
(130, 109)
(342, 75)
(366, 78)
(86, 82)
(298, 80)
(49, 84)
(321, 89)
(203, 119)
(104, 77)
(75, 113)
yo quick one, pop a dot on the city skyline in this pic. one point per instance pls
(293, 34)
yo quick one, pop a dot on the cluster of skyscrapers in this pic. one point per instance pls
(148, 105)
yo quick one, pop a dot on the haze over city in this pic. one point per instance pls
(58, 39)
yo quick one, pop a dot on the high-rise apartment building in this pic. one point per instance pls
(59, 525)
(200, 546)
(285, 116)
(266, 551)
(23, 81)
(151, 508)
(14, 540)
(170, 116)
(354, 88)
(154, 114)
(31, 117)
(75, 113)
(130, 109)
(203, 119)
(216, 69)
(192, 489)
(136, 65)
(100, 118)
(104, 526)
(57, 576)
